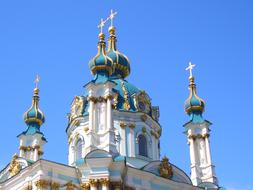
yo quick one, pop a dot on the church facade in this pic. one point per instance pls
(113, 137)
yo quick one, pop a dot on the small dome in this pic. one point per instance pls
(194, 103)
(34, 114)
(101, 63)
(120, 61)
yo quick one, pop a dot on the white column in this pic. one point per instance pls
(192, 152)
(91, 117)
(109, 114)
(123, 141)
(21, 151)
(208, 151)
(131, 142)
(105, 186)
(35, 154)
(93, 184)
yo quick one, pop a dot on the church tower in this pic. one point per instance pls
(112, 115)
(198, 132)
(32, 140)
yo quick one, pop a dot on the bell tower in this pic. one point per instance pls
(32, 140)
(198, 132)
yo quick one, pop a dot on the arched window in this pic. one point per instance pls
(143, 149)
(79, 149)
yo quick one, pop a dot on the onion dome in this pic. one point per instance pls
(120, 61)
(101, 64)
(193, 104)
(34, 116)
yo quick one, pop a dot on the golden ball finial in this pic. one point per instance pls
(101, 36)
(36, 91)
(112, 30)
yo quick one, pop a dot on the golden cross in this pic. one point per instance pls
(190, 68)
(101, 25)
(37, 80)
(111, 17)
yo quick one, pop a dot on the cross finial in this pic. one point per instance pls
(190, 68)
(37, 80)
(111, 17)
(101, 25)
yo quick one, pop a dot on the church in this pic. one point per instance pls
(113, 136)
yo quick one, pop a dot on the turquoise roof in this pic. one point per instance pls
(101, 62)
(130, 88)
(120, 61)
(34, 115)
(194, 104)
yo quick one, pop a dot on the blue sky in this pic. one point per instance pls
(56, 39)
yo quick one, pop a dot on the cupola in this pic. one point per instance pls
(101, 63)
(120, 61)
(34, 116)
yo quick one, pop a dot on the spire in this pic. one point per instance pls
(194, 105)
(120, 61)
(101, 64)
(34, 116)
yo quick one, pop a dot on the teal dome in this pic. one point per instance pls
(194, 104)
(34, 115)
(101, 63)
(120, 61)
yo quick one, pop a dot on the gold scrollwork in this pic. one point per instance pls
(93, 182)
(122, 125)
(70, 186)
(41, 184)
(165, 169)
(76, 107)
(126, 104)
(104, 181)
(85, 186)
(15, 166)
(142, 102)
(131, 125)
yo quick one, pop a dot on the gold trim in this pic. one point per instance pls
(131, 126)
(165, 169)
(41, 184)
(122, 125)
(85, 186)
(15, 166)
(104, 181)
(93, 182)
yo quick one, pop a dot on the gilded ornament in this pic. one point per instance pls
(122, 125)
(77, 107)
(93, 182)
(54, 186)
(132, 125)
(28, 187)
(165, 169)
(85, 186)
(70, 186)
(142, 102)
(115, 101)
(41, 184)
(126, 104)
(15, 166)
(104, 181)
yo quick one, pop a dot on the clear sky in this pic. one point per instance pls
(56, 39)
